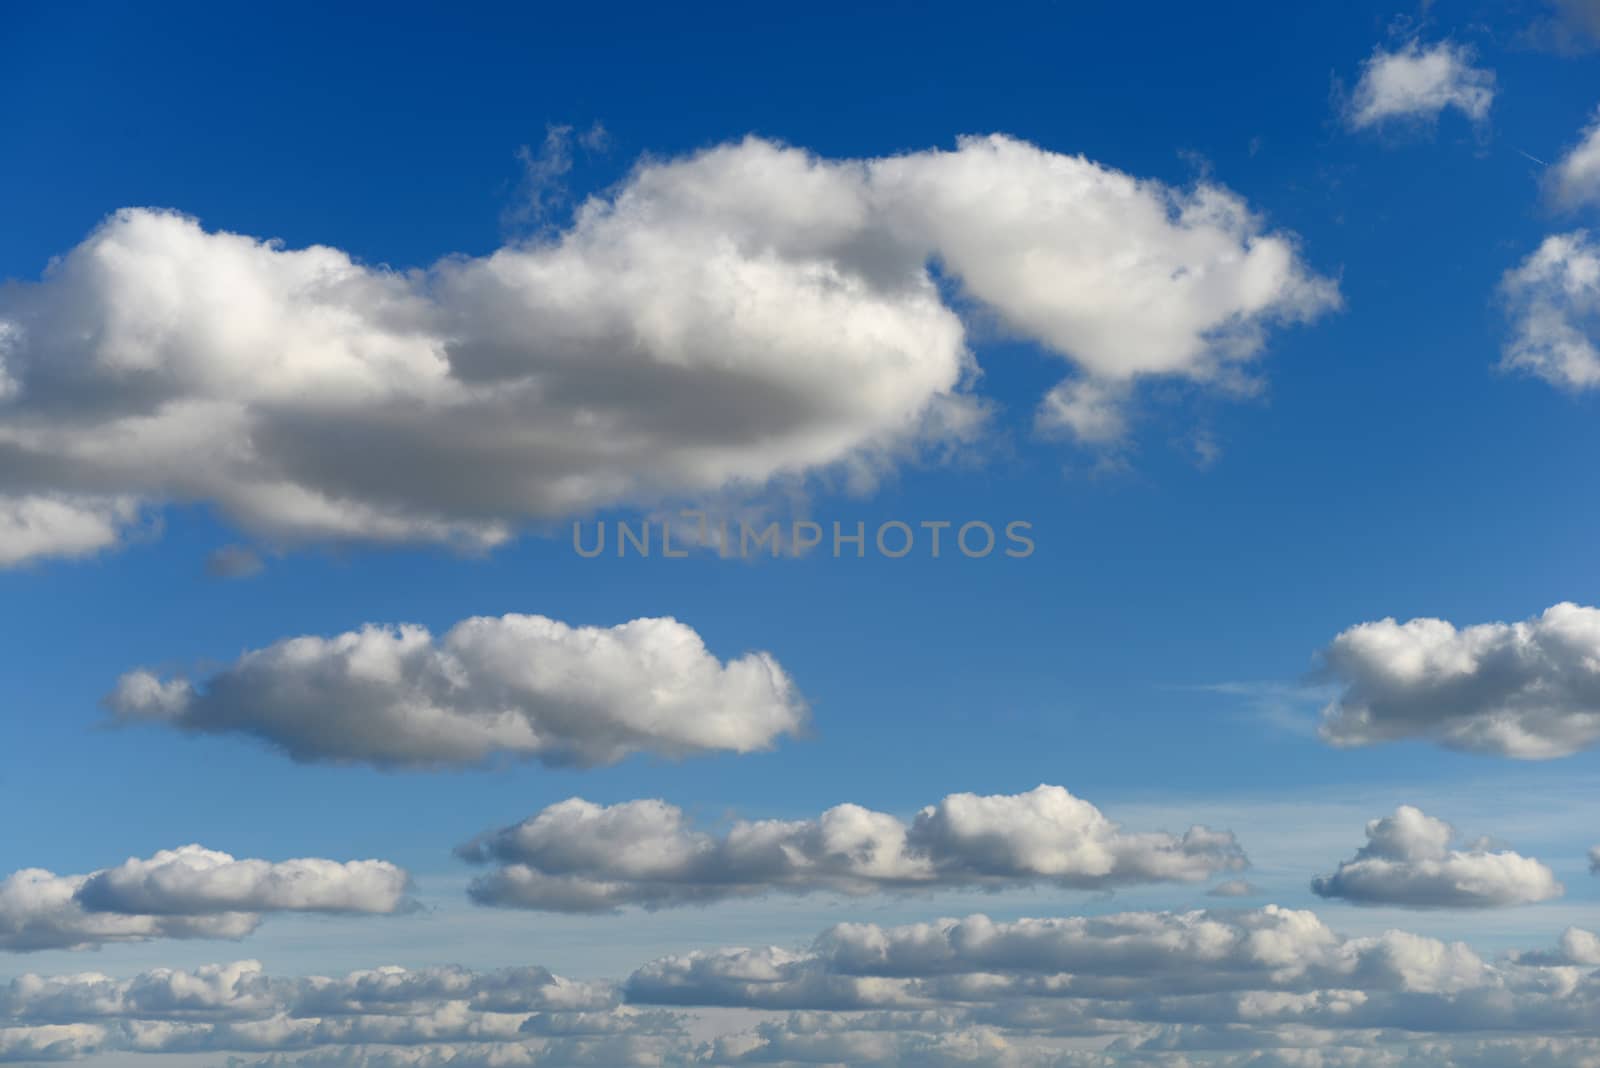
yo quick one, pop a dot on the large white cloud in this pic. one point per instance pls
(1553, 301)
(1529, 690)
(189, 892)
(1408, 861)
(749, 313)
(1415, 83)
(516, 686)
(578, 856)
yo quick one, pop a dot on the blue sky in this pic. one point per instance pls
(1154, 655)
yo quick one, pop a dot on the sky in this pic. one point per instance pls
(1266, 340)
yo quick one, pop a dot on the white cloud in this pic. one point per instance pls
(441, 1012)
(184, 893)
(1258, 972)
(581, 857)
(1553, 300)
(1529, 690)
(51, 1042)
(1407, 861)
(193, 881)
(61, 525)
(1261, 987)
(747, 314)
(1574, 180)
(513, 686)
(1594, 860)
(1415, 84)
(1576, 947)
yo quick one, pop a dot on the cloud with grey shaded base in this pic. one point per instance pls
(1529, 690)
(189, 892)
(1408, 861)
(576, 856)
(1222, 988)
(717, 323)
(511, 687)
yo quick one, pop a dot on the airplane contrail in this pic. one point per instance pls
(1535, 159)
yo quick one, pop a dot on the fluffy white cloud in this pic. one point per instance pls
(239, 1007)
(1232, 988)
(514, 686)
(34, 526)
(746, 314)
(1408, 861)
(581, 857)
(1529, 690)
(1415, 83)
(1574, 180)
(1553, 301)
(51, 1042)
(1271, 977)
(184, 893)
(193, 881)
(1575, 947)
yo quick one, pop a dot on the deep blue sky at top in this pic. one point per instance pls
(1387, 468)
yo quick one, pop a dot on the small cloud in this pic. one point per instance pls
(1235, 888)
(234, 561)
(1408, 862)
(1415, 84)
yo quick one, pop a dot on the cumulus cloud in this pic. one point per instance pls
(1260, 969)
(514, 686)
(1594, 861)
(36, 525)
(747, 314)
(581, 857)
(1408, 861)
(1576, 947)
(1235, 888)
(1269, 986)
(190, 892)
(444, 1012)
(1553, 301)
(1529, 690)
(1416, 84)
(1574, 180)
(197, 881)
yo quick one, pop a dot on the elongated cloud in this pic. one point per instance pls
(1416, 84)
(749, 313)
(1553, 301)
(514, 686)
(185, 893)
(1226, 988)
(1529, 690)
(1408, 861)
(580, 857)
